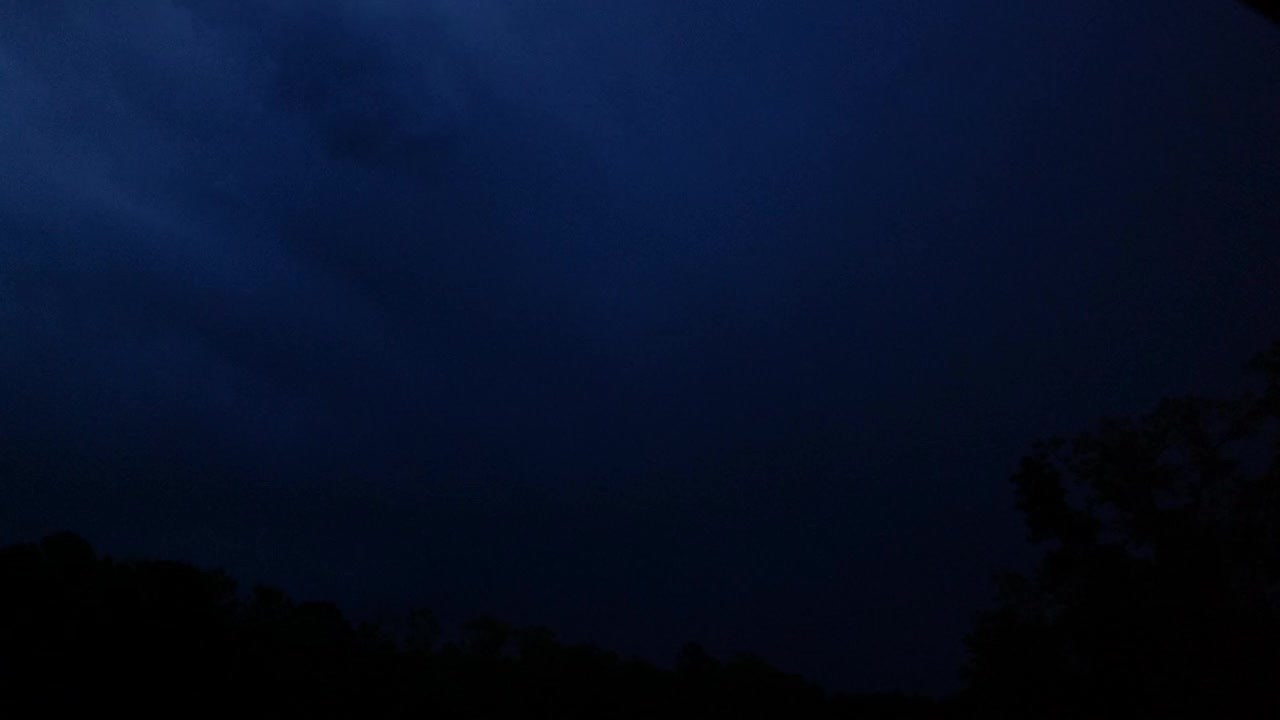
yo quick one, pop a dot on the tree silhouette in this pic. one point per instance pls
(423, 631)
(487, 636)
(1269, 8)
(82, 634)
(1159, 588)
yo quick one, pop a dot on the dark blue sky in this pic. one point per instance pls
(645, 320)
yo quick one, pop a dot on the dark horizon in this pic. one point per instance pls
(647, 321)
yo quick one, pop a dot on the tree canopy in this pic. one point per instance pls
(1159, 587)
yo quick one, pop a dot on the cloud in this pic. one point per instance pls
(220, 191)
(331, 230)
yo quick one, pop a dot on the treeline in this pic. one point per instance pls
(80, 633)
(1157, 595)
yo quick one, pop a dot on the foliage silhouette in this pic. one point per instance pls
(85, 634)
(1269, 8)
(1158, 593)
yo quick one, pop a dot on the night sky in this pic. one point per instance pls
(648, 320)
